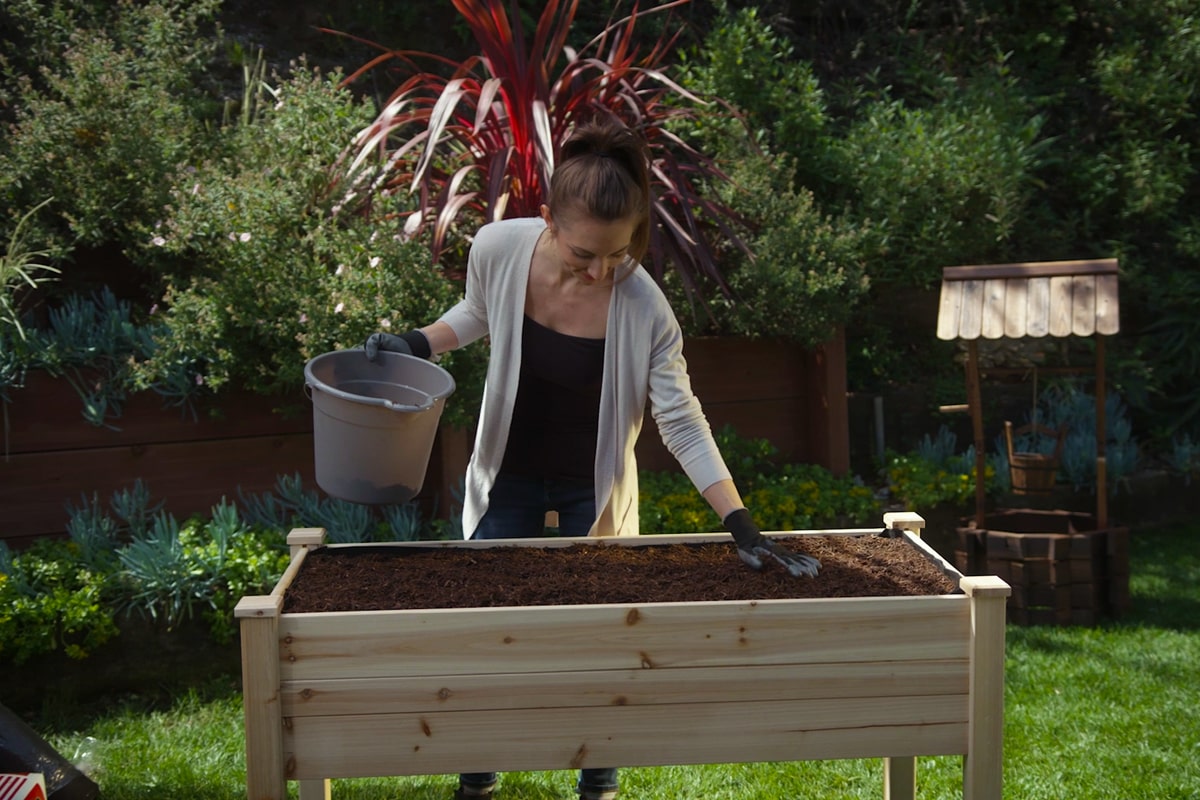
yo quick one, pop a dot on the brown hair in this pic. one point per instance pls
(603, 172)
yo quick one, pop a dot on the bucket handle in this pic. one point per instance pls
(425, 404)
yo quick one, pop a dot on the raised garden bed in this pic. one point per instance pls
(334, 694)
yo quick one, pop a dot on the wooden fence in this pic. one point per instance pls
(794, 397)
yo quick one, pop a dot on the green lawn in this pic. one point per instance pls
(1103, 713)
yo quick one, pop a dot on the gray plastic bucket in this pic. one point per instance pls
(374, 423)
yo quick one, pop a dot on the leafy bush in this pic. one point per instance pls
(746, 64)
(279, 278)
(126, 556)
(107, 121)
(809, 269)
(948, 183)
(935, 473)
(780, 496)
(50, 601)
(21, 269)
(95, 343)
(290, 505)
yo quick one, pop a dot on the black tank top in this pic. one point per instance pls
(556, 415)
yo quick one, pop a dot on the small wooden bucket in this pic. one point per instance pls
(1033, 473)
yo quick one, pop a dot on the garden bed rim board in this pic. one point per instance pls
(303, 540)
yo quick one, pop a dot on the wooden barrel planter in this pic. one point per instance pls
(437, 691)
(1064, 568)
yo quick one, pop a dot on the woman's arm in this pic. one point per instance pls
(724, 498)
(441, 337)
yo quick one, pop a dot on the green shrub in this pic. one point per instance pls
(266, 274)
(126, 556)
(780, 496)
(52, 601)
(935, 473)
(948, 183)
(809, 269)
(744, 62)
(97, 346)
(106, 123)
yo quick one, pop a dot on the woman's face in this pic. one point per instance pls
(591, 249)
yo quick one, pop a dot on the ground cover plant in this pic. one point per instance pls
(1091, 713)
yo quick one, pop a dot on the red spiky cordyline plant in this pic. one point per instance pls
(480, 139)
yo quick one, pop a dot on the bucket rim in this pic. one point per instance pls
(431, 399)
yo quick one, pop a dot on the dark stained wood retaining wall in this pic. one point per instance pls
(765, 389)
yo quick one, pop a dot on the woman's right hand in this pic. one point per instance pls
(753, 547)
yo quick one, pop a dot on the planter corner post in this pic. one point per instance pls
(259, 623)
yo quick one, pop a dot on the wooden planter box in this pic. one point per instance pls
(356, 694)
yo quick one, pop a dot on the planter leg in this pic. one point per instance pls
(983, 766)
(259, 617)
(900, 778)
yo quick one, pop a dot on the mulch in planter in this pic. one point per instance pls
(381, 578)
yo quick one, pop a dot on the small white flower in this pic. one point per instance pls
(341, 268)
(338, 308)
(303, 318)
(158, 241)
(196, 188)
(374, 262)
(232, 236)
(199, 380)
(154, 309)
(385, 323)
(245, 237)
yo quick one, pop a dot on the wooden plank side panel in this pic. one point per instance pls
(1016, 300)
(1108, 320)
(1060, 306)
(724, 369)
(538, 739)
(191, 477)
(971, 323)
(994, 291)
(640, 687)
(776, 420)
(1037, 309)
(650, 636)
(949, 310)
(1083, 305)
(46, 414)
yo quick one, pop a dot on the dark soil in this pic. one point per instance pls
(375, 578)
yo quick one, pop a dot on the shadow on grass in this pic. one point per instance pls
(1164, 566)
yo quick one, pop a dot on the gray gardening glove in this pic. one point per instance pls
(753, 547)
(412, 343)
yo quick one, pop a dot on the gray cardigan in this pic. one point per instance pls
(643, 361)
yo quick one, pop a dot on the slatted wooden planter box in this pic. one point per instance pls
(373, 693)
(1063, 570)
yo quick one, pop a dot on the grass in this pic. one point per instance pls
(1099, 713)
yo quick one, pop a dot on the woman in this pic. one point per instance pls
(581, 339)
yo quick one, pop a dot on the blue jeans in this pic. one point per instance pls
(517, 507)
